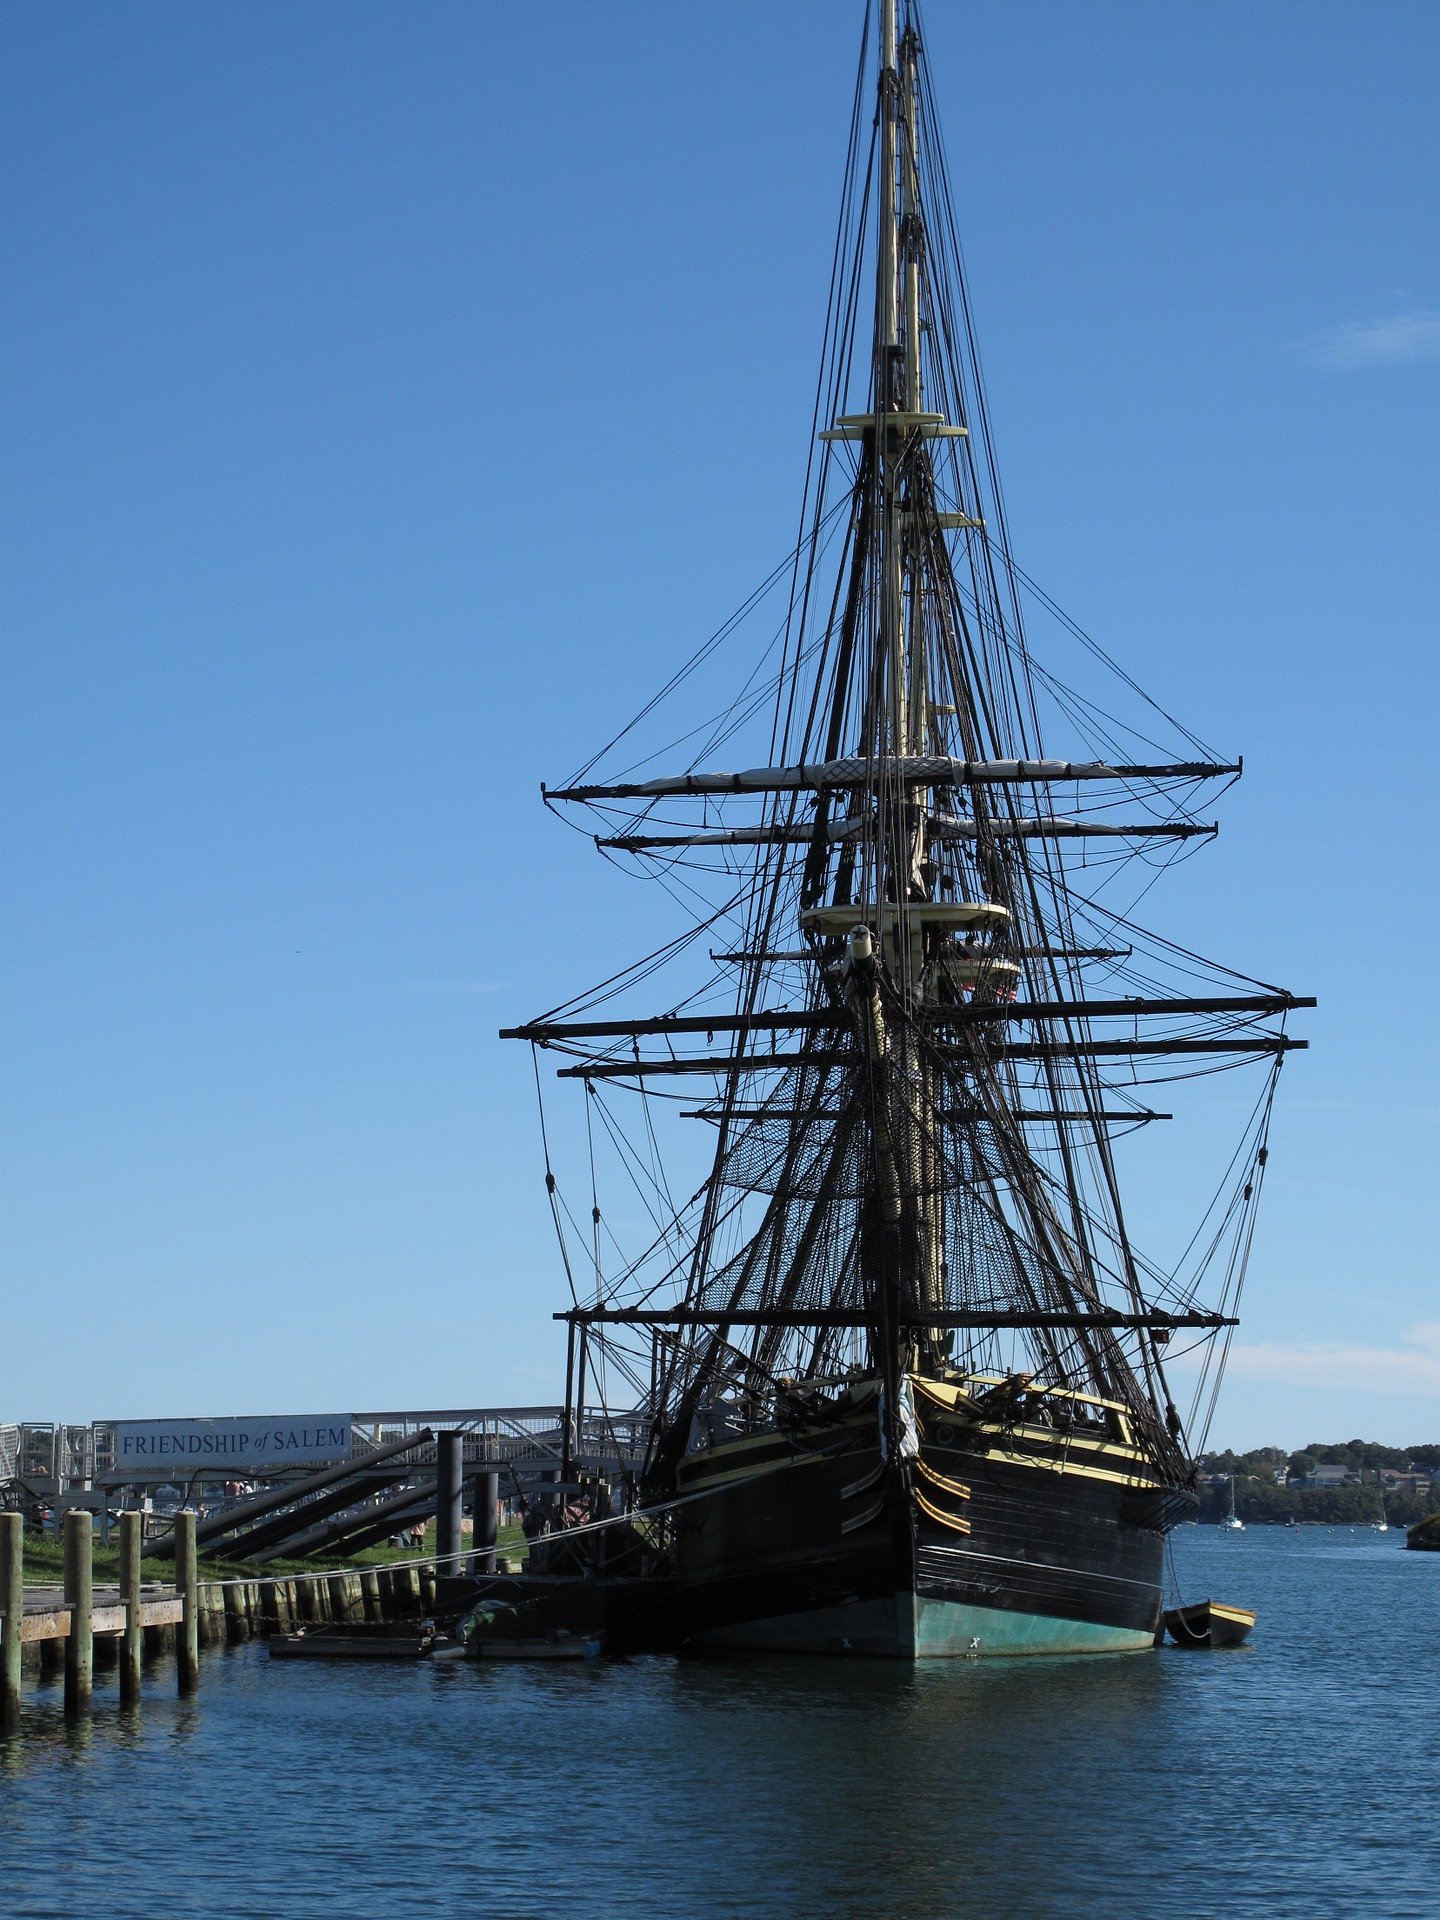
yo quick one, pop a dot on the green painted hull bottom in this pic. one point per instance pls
(908, 1627)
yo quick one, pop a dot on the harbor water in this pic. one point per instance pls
(1299, 1776)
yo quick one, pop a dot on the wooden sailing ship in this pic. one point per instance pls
(903, 1366)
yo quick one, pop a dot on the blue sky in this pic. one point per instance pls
(393, 393)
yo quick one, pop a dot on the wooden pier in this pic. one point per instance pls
(45, 1625)
(77, 1617)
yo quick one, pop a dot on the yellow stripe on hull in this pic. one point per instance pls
(955, 1524)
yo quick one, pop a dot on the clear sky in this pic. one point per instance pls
(394, 392)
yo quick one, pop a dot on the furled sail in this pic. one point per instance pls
(914, 770)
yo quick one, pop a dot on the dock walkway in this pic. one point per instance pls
(47, 1613)
(39, 1625)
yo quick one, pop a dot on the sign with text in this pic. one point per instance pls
(169, 1448)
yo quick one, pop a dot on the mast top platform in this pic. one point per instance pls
(931, 426)
(952, 916)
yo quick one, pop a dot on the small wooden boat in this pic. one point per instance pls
(1208, 1623)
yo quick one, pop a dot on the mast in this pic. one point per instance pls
(887, 355)
(917, 1171)
(912, 231)
(900, 1242)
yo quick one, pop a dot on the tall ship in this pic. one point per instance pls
(904, 1376)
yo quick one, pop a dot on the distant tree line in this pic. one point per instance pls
(1260, 1496)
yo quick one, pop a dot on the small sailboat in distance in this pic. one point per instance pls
(1232, 1521)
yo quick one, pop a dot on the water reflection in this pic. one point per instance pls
(935, 1786)
(649, 1788)
(47, 1733)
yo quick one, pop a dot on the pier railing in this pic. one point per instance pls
(518, 1436)
(46, 1459)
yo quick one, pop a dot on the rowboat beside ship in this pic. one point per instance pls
(1208, 1623)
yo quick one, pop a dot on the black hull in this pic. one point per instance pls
(818, 1547)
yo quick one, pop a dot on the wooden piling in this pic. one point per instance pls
(187, 1641)
(370, 1602)
(12, 1605)
(449, 1493)
(132, 1644)
(487, 1498)
(80, 1599)
(271, 1602)
(234, 1613)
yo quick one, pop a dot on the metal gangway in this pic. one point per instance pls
(43, 1459)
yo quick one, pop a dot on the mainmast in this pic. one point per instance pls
(897, 382)
(912, 238)
(900, 427)
(905, 1240)
(889, 360)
